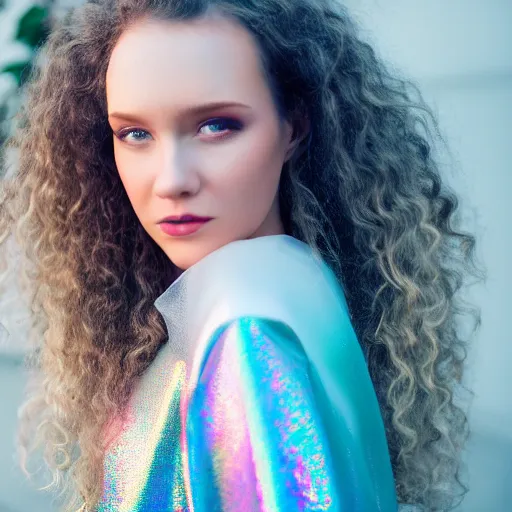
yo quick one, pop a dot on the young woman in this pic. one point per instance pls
(243, 265)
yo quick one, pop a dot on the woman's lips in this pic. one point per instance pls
(182, 228)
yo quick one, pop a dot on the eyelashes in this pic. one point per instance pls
(230, 126)
(122, 134)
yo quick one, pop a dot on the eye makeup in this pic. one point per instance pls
(230, 125)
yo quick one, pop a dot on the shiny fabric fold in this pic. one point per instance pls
(249, 438)
(254, 431)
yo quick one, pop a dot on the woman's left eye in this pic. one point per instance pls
(222, 125)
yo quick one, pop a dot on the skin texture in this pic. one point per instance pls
(173, 161)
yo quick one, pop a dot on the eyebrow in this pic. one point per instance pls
(196, 109)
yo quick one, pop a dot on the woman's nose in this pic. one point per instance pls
(176, 174)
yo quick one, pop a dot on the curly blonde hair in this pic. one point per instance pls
(363, 189)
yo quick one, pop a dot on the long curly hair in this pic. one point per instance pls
(363, 189)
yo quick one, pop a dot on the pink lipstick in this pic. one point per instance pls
(182, 225)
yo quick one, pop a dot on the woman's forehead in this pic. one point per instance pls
(190, 62)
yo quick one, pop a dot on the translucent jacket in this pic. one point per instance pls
(260, 401)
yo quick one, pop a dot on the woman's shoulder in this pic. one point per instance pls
(262, 324)
(276, 277)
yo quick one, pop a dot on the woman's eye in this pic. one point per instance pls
(222, 125)
(138, 135)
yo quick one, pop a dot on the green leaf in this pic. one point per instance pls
(20, 71)
(32, 27)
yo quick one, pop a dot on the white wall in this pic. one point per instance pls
(15, 494)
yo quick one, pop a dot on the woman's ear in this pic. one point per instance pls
(300, 130)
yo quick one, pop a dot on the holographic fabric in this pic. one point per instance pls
(260, 401)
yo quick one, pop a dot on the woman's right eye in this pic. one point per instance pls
(123, 134)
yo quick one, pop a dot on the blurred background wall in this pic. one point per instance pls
(460, 54)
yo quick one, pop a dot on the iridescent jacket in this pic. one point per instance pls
(260, 401)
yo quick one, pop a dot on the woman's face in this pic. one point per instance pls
(177, 155)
